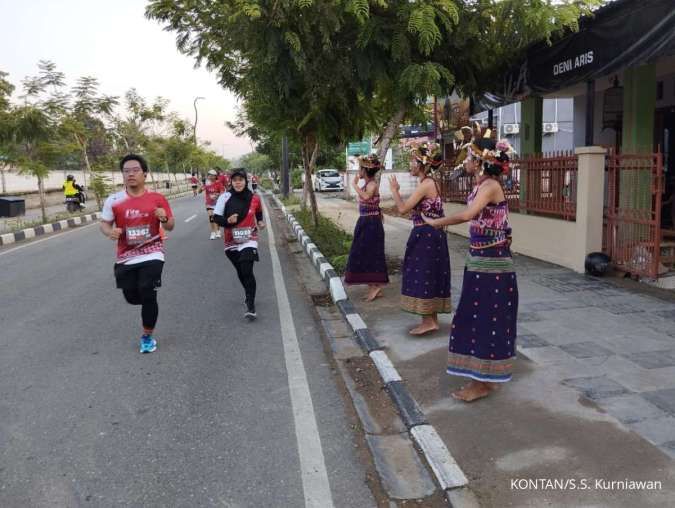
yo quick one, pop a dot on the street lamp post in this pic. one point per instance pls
(194, 131)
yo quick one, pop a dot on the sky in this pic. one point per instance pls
(114, 42)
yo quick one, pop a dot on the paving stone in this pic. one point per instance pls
(547, 355)
(531, 340)
(596, 387)
(647, 380)
(586, 350)
(656, 430)
(631, 408)
(336, 329)
(402, 472)
(526, 317)
(654, 359)
(621, 308)
(569, 283)
(663, 399)
(668, 448)
(667, 314)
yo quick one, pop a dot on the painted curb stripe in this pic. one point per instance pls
(356, 322)
(411, 414)
(387, 370)
(323, 268)
(447, 471)
(337, 291)
(346, 307)
(366, 340)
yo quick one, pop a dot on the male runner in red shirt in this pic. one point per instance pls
(223, 178)
(132, 218)
(194, 183)
(212, 190)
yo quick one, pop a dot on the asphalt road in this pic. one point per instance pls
(207, 420)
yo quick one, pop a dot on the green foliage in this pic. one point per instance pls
(256, 163)
(6, 89)
(296, 178)
(332, 241)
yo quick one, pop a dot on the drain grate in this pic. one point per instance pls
(322, 300)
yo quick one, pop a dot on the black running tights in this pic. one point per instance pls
(245, 273)
(147, 298)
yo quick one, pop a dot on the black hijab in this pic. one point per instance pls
(239, 202)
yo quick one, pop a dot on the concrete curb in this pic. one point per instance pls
(28, 233)
(448, 474)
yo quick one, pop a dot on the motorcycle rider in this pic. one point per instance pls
(72, 189)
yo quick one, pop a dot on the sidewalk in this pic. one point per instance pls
(593, 395)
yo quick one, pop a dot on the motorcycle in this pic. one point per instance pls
(75, 203)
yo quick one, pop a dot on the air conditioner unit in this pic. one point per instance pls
(511, 128)
(550, 128)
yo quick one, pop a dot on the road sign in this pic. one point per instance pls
(358, 148)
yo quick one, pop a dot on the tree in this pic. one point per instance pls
(34, 135)
(289, 61)
(34, 145)
(256, 163)
(140, 121)
(6, 90)
(85, 119)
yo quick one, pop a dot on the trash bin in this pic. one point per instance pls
(11, 206)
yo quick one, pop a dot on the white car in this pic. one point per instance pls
(328, 180)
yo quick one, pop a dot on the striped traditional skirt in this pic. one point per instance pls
(367, 263)
(483, 336)
(425, 287)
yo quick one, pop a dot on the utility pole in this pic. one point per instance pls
(194, 131)
(285, 177)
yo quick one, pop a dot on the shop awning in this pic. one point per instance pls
(624, 33)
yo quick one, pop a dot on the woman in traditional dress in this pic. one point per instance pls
(366, 263)
(425, 287)
(483, 336)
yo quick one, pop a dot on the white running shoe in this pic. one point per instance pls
(213, 236)
(219, 235)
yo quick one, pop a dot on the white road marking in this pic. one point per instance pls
(58, 235)
(312, 463)
(190, 218)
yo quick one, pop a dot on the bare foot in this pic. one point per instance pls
(422, 329)
(372, 295)
(473, 391)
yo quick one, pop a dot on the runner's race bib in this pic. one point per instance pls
(241, 235)
(136, 235)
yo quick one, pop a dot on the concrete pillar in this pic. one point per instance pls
(531, 126)
(639, 103)
(590, 203)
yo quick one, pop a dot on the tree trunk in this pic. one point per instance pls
(309, 161)
(154, 183)
(390, 132)
(4, 184)
(41, 192)
(83, 146)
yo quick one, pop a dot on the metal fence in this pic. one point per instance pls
(632, 214)
(544, 184)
